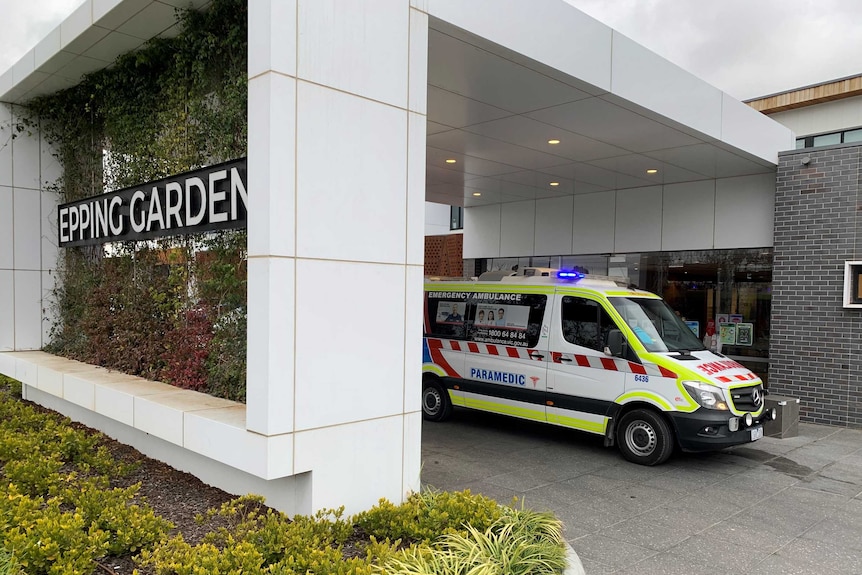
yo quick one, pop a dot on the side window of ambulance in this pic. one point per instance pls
(446, 317)
(507, 319)
(585, 323)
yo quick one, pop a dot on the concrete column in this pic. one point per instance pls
(336, 218)
(28, 244)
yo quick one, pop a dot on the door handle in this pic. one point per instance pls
(565, 359)
(535, 355)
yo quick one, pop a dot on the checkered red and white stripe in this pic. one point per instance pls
(730, 379)
(589, 361)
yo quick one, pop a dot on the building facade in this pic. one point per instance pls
(814, 353)
(560, 137)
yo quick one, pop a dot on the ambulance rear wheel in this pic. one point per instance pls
(644, 437)
(436, 405)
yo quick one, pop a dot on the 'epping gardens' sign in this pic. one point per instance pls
(211, 198)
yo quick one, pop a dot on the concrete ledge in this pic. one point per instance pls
(208, 426)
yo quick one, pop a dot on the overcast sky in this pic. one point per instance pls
(747, 48)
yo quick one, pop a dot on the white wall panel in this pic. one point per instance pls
(638, 220)
(747, 129)
(554, 226)
(645, 78)
(271, 350)
(25, 157)
(347, 367)
(360, 47)
(413, 312)
(744, 211)
(520, 25)
(415, 191)
(272, 165)
(6, 229)
(28, 310)
(412, 457)
(418, 72)
(273, 45)
(517, 228)
(49, 283)
(27, 232)
(593, 223)
(7, 310)
(353, 464)
(5, 150)
(688, 220)
(351, 176)
(482, 232)
(824, 117)
(437, 218)
(50, 250)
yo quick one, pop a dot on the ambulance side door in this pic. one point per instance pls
(583, 382)
(505, 368)
(446, 318)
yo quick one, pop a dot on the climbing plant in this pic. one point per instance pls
(172, 309)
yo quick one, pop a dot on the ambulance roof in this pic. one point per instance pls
(543, 276)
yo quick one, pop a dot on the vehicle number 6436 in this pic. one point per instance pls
(642, 378)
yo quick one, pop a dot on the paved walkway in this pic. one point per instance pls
(777, 506)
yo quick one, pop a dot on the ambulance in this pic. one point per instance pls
(585, 352)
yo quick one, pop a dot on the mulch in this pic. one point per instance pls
(174, 495)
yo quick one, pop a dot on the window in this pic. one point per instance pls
(845, 137)
(456, 218)
(585, 323)
(446, 315)
(853, 136)
(507, 318)
(826, 140)
(853, 284)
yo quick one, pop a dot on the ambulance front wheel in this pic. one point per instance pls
(436, 405)
(644, 437)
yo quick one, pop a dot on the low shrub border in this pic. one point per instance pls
(60, 514)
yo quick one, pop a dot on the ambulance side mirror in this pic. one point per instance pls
(615, 343)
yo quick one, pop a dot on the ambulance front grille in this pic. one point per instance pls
(747, 398)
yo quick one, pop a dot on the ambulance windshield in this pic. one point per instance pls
(656, 325)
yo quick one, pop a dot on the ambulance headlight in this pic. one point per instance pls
(706, 395)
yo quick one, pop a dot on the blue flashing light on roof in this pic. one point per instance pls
(569, 275)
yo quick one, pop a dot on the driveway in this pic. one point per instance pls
(777, 506)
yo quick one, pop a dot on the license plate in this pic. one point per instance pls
(756, 433)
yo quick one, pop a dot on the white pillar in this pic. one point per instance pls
(336, 217)
(28, 244)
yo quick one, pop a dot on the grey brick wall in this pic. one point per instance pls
(815, 343)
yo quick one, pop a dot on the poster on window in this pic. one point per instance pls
(450, 312)
(502, 323)
(510, 316)
(727, 333)
(694, 326)
(744, 334)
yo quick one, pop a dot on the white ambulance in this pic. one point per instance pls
(585, 352)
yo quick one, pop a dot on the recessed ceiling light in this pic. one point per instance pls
(554, 184)
(553, 142)
(477, 194)
(451, 160)
(652, 171)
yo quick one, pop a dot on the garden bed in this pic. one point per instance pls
(73, 501)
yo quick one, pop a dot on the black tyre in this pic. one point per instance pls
(644, 437)
(436, 405)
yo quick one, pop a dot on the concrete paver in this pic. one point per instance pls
(776, 506)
